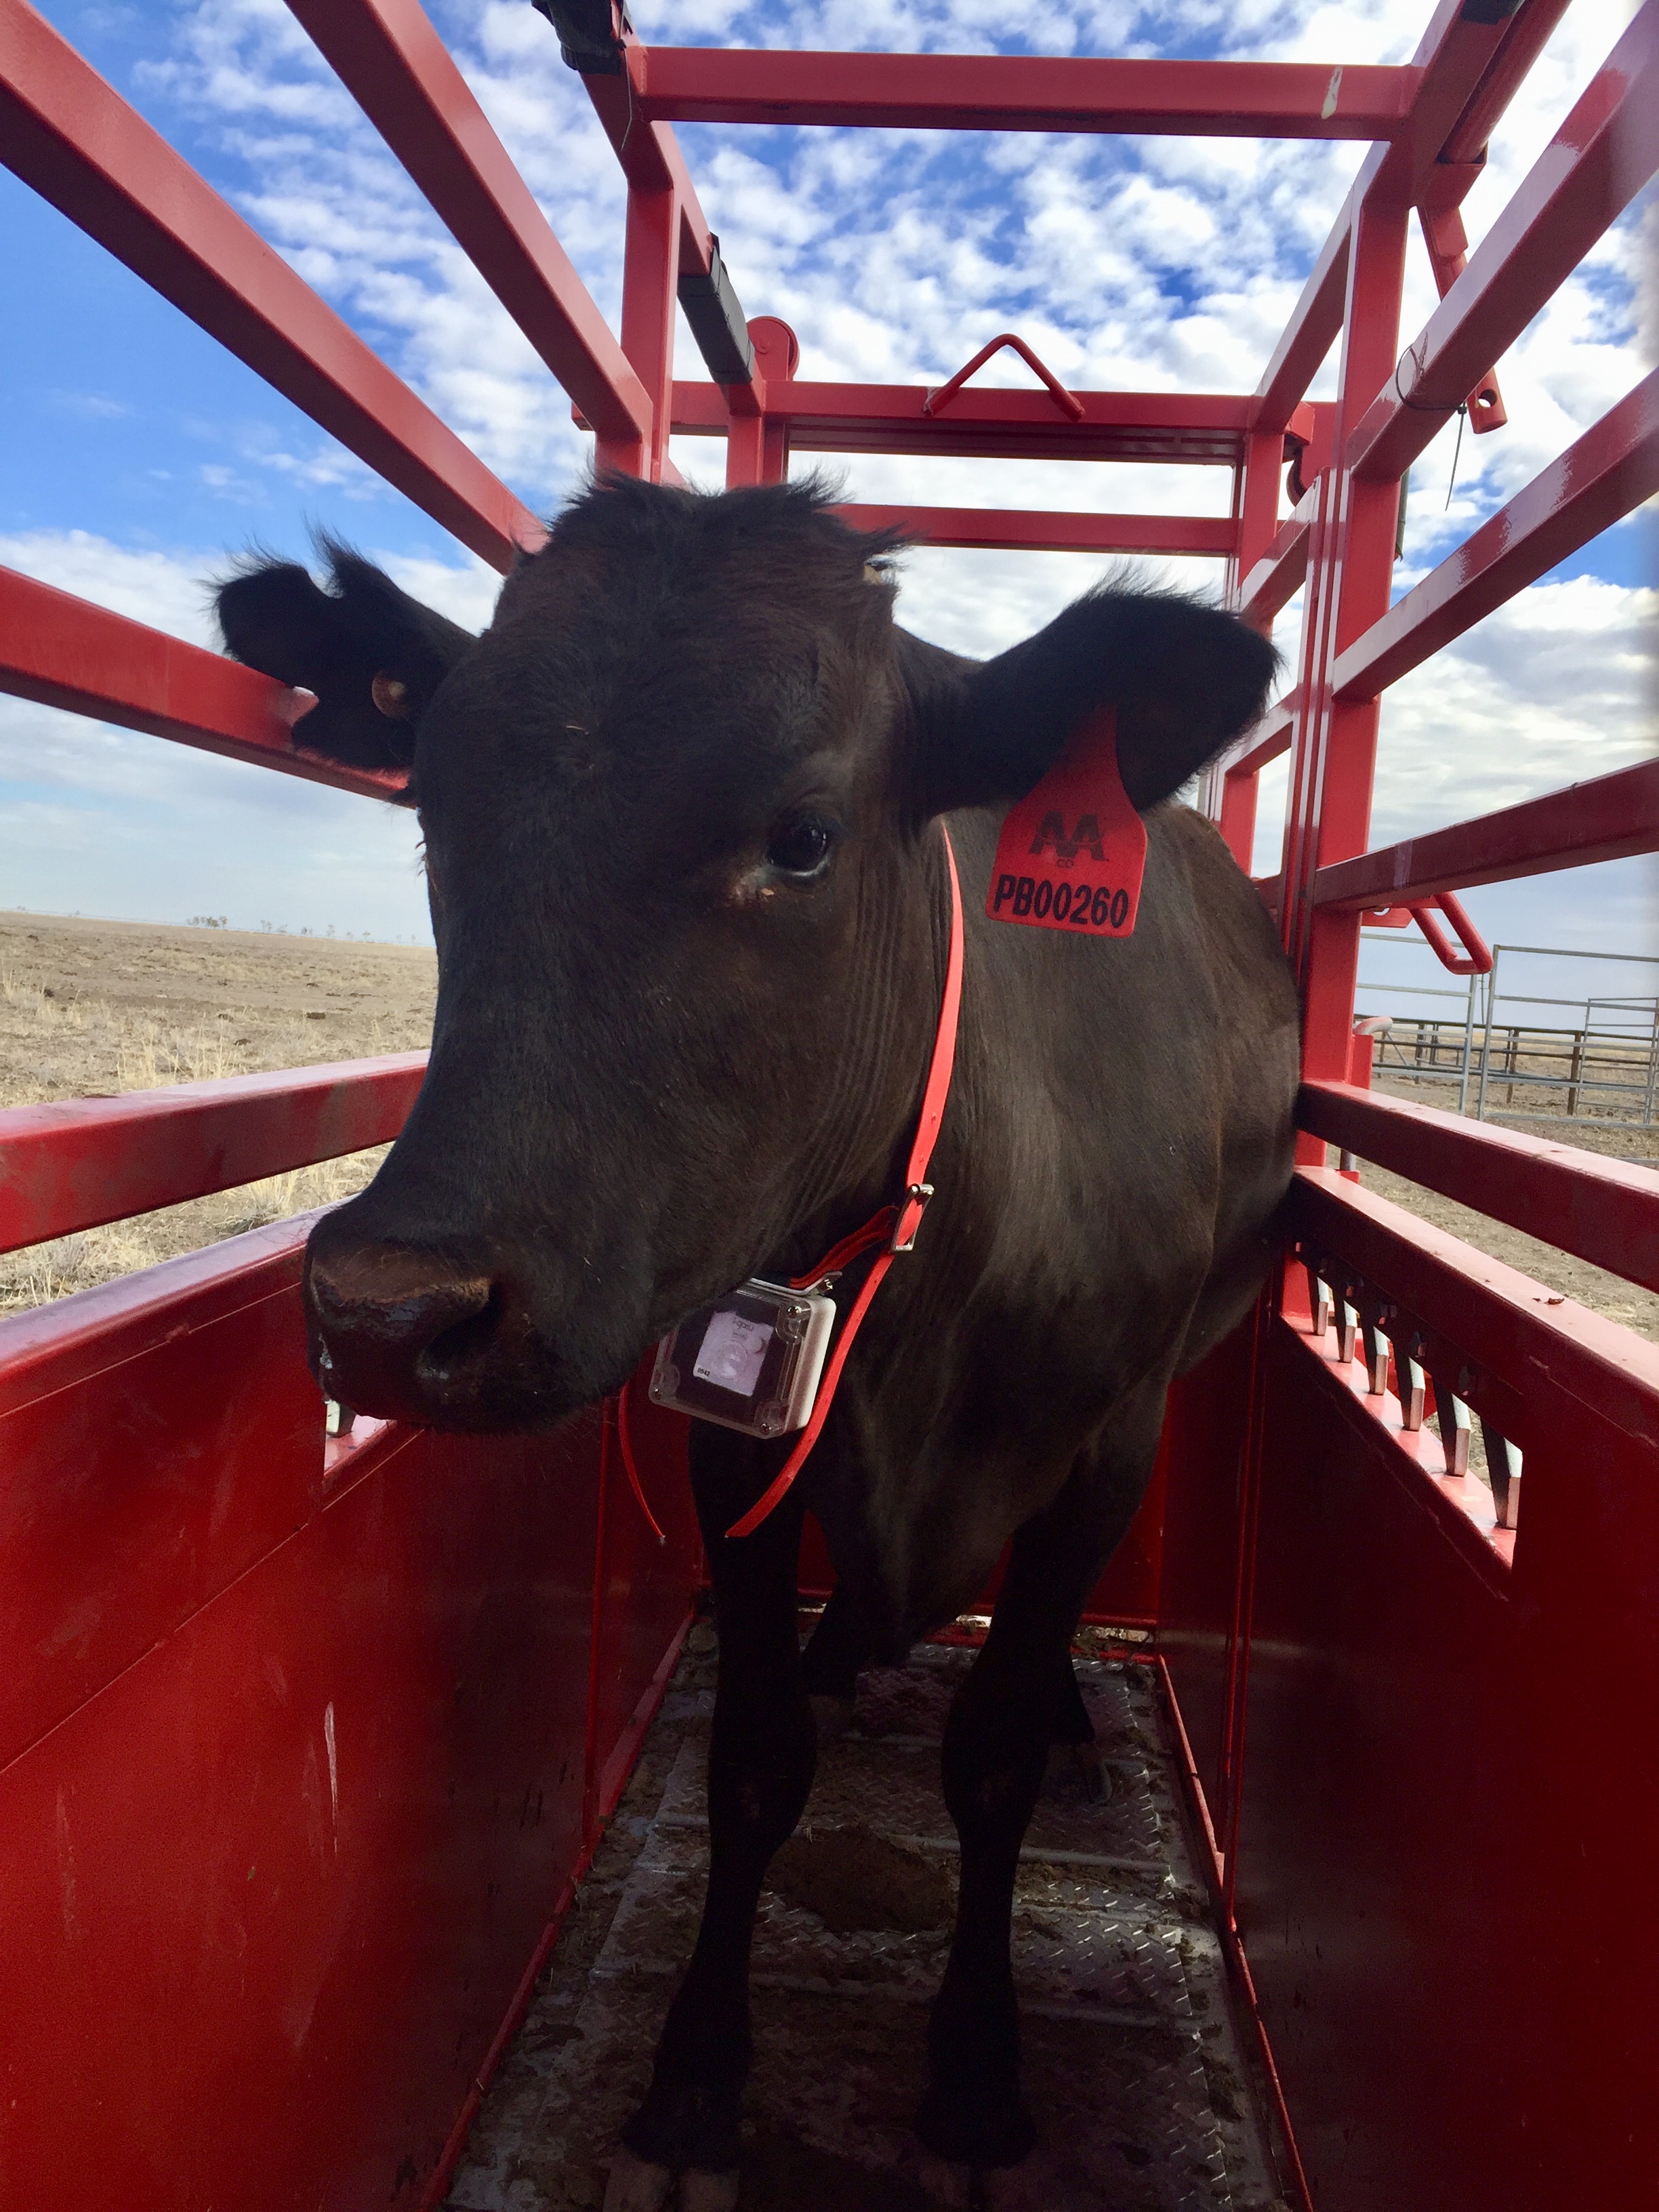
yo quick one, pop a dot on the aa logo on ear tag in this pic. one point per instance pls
(1072, 851)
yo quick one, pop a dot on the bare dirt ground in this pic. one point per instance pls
(90, 1007)
(1576, 1278)
(101, 1006)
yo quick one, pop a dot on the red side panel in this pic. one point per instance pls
(1444, 1877)
(307, 1752)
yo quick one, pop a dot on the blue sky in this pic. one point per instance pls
(137, 457)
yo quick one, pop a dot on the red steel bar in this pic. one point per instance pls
(391, 60)
(1604, 1211)
(758, 446)
(1279, 573)
(1255, 505)
(1229, 801)
(650, 273)
(68, 134)
(1271, 738)
(1453, 57)
(1036, 529)
(651, 160)
(1309, 334)
(1003, 92)
(66, 652)
(1459, 65)
(1350, 568)
(1599, 160)
(1475, 958)
(1612, 469)
(1200, 427)
(1525, 36)
(1068, 403)
(76, 1163)
(1448, 243)
(1605, 819)
(1500, 1318)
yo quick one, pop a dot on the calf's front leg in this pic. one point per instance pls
(1020, 1696)
(761, 1759)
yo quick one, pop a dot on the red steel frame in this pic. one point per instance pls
(398, 1680)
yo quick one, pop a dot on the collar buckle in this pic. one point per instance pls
(916, 1195)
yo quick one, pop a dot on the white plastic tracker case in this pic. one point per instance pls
(750, 1362)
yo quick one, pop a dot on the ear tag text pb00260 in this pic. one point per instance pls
(1072, 851)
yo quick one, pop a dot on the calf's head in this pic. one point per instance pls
(689, 904)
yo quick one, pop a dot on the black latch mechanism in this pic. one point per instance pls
(587, 34)
(715, 314)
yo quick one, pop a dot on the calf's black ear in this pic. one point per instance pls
(372, 655)
(1184, 679)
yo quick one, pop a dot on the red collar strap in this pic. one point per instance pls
(894, 1227)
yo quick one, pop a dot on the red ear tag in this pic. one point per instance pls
(1072, 851)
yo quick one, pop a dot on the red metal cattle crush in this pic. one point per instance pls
(305, 1741)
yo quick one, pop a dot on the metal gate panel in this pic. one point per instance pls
(134, 1487)
(272, 1889)
(304, 1742)
(1441, 1877)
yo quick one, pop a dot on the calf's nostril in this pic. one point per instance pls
(461, 1339)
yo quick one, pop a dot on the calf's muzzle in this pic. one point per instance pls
(415, 1334)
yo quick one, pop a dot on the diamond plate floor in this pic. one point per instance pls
(1132, 2064)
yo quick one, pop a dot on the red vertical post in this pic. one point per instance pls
(757, 446)
(1334, 746)
(1256, 509)
(1257, 504)
(650, 269)
(1235, 818)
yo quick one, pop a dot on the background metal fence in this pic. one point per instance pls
(1602, 1064)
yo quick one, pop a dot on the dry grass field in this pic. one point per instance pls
(91, 1007)
(101, 1006)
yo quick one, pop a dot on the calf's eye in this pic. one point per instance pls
(802, 846)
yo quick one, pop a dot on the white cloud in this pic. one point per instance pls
(1159, 264)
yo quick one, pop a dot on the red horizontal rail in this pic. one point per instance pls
(76, 1163)
(1271, 738)
(1605, 819)
(68, 134)
(1001, 92)
(1603, 1211)
(1280, 573)
(50, 1348)
(391, 60)
(1600, 159)
(1036, 529)
(1612, 468)
(1201, 427)
(66, 652)
(1523, 1333)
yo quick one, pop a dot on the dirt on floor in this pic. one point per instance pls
(92, 1007)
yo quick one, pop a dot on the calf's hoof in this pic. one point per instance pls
(636, 2186)
(707, 2192)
